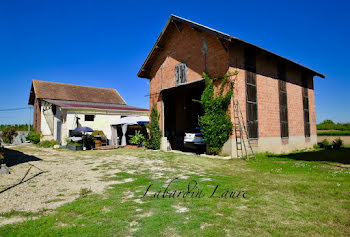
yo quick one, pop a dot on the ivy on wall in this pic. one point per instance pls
(216, 124)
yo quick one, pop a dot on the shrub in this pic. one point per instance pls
(155, 133)
(137, 139)
(333, 133)
(337, 143)
(33, 137)
(47, 143)
(316, 146)
(216, 124)
(8, 134)
(325, 142)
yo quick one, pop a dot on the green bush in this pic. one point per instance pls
(337, 143)
(155, 133)
(333, 133)
(137, 139)
(8, 134)
(33, 137)
(216, 124)
(70, 142)
(325, 142)
(47, 143)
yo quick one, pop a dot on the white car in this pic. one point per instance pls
(193, 138)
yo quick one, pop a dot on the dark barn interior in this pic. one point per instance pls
(181, 112)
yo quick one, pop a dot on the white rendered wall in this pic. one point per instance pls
(102, 121)
(45, 130)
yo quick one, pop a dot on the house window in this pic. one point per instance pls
(306, 107)
(180, 73)
(283, 101)
(251, 94)
(89, 117)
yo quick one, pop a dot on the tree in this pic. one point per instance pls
(154, 130)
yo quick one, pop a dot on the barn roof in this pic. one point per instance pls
(68, 92)
(144, 71)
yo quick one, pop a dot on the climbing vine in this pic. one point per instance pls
(216, 124)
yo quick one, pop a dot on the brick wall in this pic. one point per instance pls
(186, 46)
(312, 108)
(295, 103)
(37, 116)
(268, 97)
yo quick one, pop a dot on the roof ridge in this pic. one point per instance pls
(57, 90)
(67, 84)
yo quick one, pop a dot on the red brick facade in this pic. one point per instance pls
(187, 44)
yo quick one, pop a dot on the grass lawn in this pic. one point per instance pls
(300, 194)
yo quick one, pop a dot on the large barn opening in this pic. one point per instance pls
(181, 112)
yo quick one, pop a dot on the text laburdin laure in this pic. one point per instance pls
(193, 191)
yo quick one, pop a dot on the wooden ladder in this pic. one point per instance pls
(243, 150)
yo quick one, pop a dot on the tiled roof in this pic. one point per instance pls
(61, 91)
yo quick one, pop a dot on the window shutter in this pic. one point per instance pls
(282, 87)
(251, 94)
(305, 96)
(180, 73)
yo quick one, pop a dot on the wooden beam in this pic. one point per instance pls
(177, 26)
(223, 44)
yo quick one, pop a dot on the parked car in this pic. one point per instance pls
(193, 139)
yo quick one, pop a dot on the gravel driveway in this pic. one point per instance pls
(49, 178)
(43, 179)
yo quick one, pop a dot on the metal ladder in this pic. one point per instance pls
(240, 129)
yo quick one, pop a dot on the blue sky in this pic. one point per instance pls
(104, 43)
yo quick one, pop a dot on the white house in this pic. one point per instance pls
(59, 108)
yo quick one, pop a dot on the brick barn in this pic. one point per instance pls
(277, 92)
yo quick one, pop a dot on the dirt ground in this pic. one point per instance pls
(51, 178)
(346, 139)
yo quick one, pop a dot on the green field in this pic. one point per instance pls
(305, 193)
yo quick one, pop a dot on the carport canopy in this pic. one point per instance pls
(131, 120)
(124, 122)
